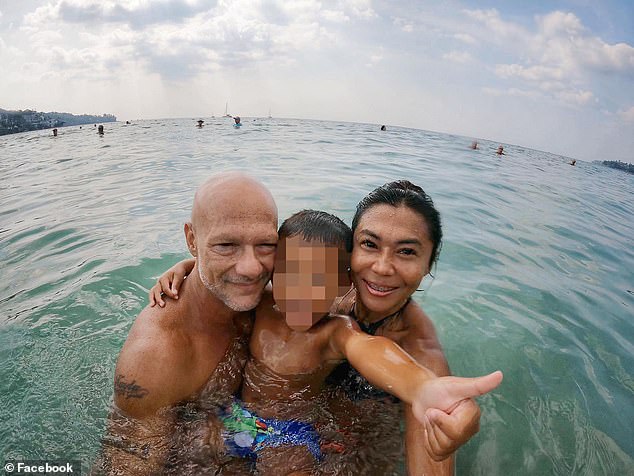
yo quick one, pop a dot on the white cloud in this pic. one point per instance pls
(465, 38)
(41, 17)
(562, 39)
(627, 114)
(532, 73)
(560, 24)
(579, 98)
(195, 39)
(137, 13)
(458, 56)
(511, 92)
(359, 8)
(336, 16)
(570, 97)
(560, 57)
(405, 25)
(495, 26)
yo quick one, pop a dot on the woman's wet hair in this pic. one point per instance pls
(405, 193)
(314, 225)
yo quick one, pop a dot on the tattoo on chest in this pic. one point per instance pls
(128, 389)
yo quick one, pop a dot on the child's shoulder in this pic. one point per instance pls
(267, 310)
(337, 321)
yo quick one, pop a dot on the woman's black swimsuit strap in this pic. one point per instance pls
(355, 385)
(372, 327)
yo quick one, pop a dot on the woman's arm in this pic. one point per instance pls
(443, 432)
(386, 365)
(170, 282)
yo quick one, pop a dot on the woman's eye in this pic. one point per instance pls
(407, 251)
(368, 244)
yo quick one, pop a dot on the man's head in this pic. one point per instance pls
(233, 236)
(311, 266)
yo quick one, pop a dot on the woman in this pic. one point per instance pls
(397, 239)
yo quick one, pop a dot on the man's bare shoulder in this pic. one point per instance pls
(152, 369)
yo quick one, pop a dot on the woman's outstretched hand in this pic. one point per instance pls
(170, 281)
(448, 412)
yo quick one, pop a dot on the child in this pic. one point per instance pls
(296, 343)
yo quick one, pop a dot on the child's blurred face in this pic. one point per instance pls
(308, 276)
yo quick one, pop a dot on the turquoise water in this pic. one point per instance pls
(536, 275)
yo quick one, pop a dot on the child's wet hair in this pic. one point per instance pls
(315, 225)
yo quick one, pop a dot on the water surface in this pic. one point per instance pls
(535, 276)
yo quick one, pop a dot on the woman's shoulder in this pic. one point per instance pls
(421, 340)
(414, 317)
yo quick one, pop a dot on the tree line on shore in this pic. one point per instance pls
(617, 164)
(28, 120)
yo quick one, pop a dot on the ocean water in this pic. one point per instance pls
(536, 275)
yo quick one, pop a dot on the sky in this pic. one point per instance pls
(556, 76)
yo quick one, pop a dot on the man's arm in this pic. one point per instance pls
(135, 446)
(149, 380)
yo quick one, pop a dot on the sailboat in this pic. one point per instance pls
(270, 117)
(226, 108)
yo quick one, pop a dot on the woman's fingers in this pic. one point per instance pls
(440, 446)
(460, 424)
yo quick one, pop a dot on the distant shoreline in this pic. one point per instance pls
(14, 122)
(619, 165)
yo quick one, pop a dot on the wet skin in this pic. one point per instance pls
(390, 257)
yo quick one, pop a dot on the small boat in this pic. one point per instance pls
(226, 108)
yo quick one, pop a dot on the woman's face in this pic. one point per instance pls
(390, 256)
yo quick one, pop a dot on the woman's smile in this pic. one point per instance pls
(377, 289)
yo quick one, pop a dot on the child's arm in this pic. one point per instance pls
(386, 365)
(170, 282)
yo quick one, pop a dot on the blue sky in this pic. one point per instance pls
(555, 76)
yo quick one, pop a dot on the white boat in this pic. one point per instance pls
(226, 109)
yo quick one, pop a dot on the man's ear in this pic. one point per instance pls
(190, 238)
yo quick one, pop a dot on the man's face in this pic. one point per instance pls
(308, 277)
(235, 254)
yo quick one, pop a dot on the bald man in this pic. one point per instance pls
(188, 356)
